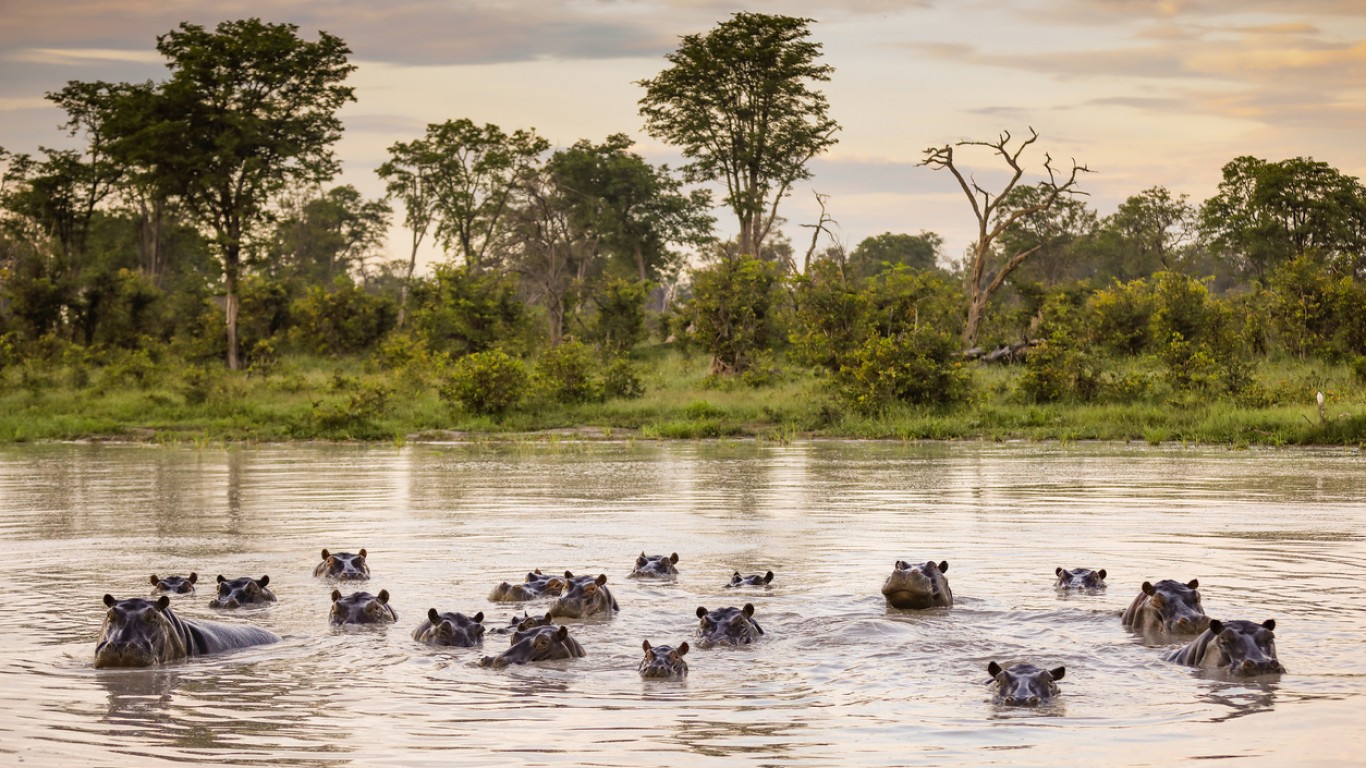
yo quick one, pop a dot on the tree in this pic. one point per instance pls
(408, 178)
(1052, 231)
(328, 235)
(249, 110)
(881, 252)
(738, 101)
(992, 221)
(734, 311)
(1146, 233)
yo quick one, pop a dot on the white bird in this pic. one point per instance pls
(1320, 399)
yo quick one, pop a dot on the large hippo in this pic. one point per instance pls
(655, 567)
(537, 585)
(918, 586)
(1023, 684)
(174, 585)
(727, 626)
(343, 565)
(543, 643)
(1079, 578)
(1236, 647)
(664, 661)
(452, 629)
(583, 597)
(138, 632)
(1167, 607)
(235, 593)
(362, 608)
(750, 581)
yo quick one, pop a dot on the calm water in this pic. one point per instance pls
(838, 680)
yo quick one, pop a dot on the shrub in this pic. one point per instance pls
(340, 320)
(1121, 316)
(620, 321)
(461, 313)
(568, 373)
(920, 367)
(621, 379)
(1060, 368)
(734, 311)
(486, 383)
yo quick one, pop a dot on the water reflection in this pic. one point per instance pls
(1248, 696)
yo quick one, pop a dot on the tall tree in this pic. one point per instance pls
(328, 235)
(408, 178)
(985, 275)
(1055, 230)
(876, 254)
(738, 101)
(250, 109)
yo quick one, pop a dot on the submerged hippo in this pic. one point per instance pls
(584, 596)
(545, 643)
(749, 581)
(655, 567)
(1167, 607)
(174, 585)
(362, 608)
(727, 626)
(664, 661)
(138, 632)
(1079, 578)
(1237, 647)
(537, 585)
(235, 593)
(1024, 684)
(452, 629)
(343, 565)
(523, 622)
(918, 586)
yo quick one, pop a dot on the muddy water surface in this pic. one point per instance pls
(838, 679)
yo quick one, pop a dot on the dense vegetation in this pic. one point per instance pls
(585, 289)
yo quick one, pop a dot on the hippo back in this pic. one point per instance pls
(138, 633)
(1238, 647)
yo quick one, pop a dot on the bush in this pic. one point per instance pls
(734, 311)
(620, 321)
(922, 367)
(568, 373)
(461, 313)
(1060, 368)
(1121, 316)
(486, 383)
(621, 379)
(341, 320)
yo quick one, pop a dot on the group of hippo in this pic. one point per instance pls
(140, 632)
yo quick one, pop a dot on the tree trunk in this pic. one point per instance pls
(403, 289)
(231, 255)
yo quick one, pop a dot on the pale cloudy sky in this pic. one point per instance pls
(1145, 92)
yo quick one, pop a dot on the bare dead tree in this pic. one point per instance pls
(990, 225)
(822, 225)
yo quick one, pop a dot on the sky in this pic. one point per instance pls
(1143, 92)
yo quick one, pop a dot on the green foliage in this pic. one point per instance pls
(621, 379)
(920, 367)
(881, 252)
(486, 383)
(460, 313)
(341, 320)
(568, 372)
(1060, 368)
(1121, 317)
(620, 321)
(734, 311)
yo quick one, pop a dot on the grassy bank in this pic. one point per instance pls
(304, 398)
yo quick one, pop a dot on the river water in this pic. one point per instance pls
(837, 680)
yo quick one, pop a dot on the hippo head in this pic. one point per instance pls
(343, 565)
(584, 596)
(1080, 578)
(137, 633)
(454, 629)
(1024, 684)
(235, 593)
(545, 643)
(918, 585)
(1245, 647)
(362, 608)
(174, 585)
(756, 580)
(664, 661)
(655, 566)
(1173, 607)
(727, 626)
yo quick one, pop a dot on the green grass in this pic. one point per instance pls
(306, 398)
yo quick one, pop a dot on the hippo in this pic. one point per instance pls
(583, 597)
(537, 585)
(664, 661)
(138, 632)
(1167, 607)
(544, 643)
(1236, 647)
(174, 585)
(727, 626)
(235, 593)
(655, 567)
(1080, 578)
(518, 623)
(1024, 684)
(343, 565)
(918, 586)
(749, 581)
(362, 608)
(452, 629)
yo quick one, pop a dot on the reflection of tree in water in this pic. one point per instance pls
(1241, 697)
(716, 738)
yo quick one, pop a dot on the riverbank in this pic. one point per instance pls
(304, 398)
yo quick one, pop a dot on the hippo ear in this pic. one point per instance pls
(193, 577)
(700, 610)
(109, 601)
(1215, 626)
(568, 575)
(326, 554)
(682, 649)
(163, 603)
(478, 618)
(221, 579)
(155, 580)
(768, 577)
(433, 616)
(264, 580)
(1058, 673)
(1270, 624)
(1058, 571)
(1149, 589)
(1193, 583)
(383, 596)
(736, 575)
(748, 610)
(601, 579)
(562, 633)
(546, 618)
(993, 669)
(645, 646)
(673, 558)
(531, 576)
(944, 566)
(537, 571)
(362, 552)
(1101, 573)
(336, 595)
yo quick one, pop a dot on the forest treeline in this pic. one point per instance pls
(195, 229)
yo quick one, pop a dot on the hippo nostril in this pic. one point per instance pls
(1033, 699)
